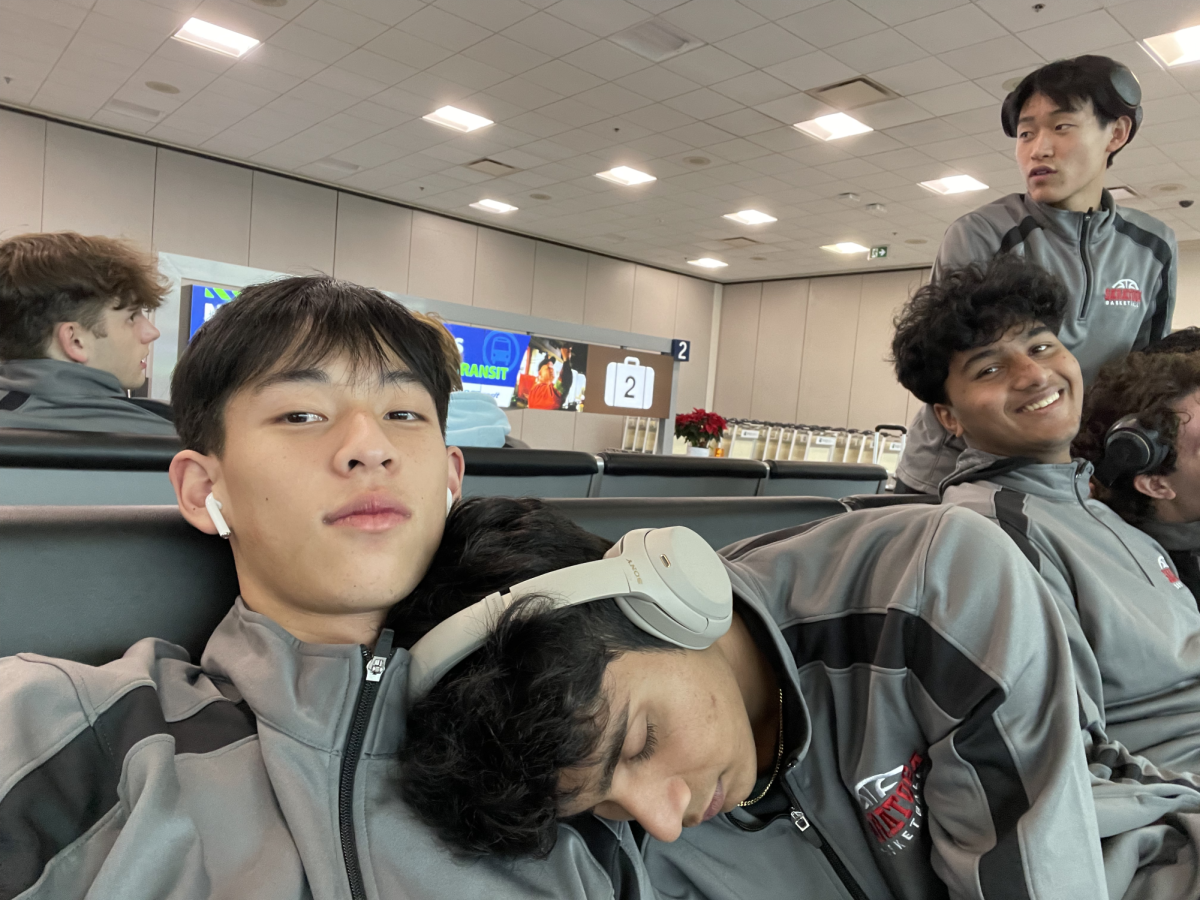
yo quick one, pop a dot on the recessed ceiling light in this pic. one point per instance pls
(337, 165)
(955, 184)
(125, 108)
(213, 37)
(750, 217)
(162, 87)
(844, 247)
(707, 262)
(1123, 193)
(832, 127)
(626, 176)
(459, 120)
(1176, 48)
(494, 206)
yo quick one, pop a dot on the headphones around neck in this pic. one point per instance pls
(1124, 84)
(1130, 448)
(668, 581)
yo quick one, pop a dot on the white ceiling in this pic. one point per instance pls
(350, 80)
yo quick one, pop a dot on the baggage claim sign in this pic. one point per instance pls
(524, 371)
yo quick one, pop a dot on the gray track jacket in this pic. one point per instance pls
(931, 715)
(63, 396)
(1182, 541)
(1118, 265)
(267, 772)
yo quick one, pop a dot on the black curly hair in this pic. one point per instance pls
(483, 750)
(1185, 340)
(967, 308)
(1149, 384)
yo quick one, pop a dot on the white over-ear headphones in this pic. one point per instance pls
(213, 505)
(668, 581)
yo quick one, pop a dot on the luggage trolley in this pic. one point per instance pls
(889, 445)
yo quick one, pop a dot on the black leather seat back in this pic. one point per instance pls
(512, 472)
(874, 501)
(85, 583)
(795, 478)
(648, 475)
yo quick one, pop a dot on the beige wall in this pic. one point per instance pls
(813, 350)
(1187, 288)
(55, 176)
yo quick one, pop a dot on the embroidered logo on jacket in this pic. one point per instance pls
(1169, 572)
(892, 805)
(1124, 293)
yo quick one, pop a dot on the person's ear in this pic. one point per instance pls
(455, 469)
(1156, 486)
(69, 337)
(1120, 134)
(193, 476)
(947, 419)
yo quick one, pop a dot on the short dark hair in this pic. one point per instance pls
(302, 321)
(55, 277)
(966, 308)
(484, 749)
(1147, 385)
(1072, 82)
(1185, 340)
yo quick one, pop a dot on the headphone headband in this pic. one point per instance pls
(668, 581)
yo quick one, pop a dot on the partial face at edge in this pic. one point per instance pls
(334, 483)
(1184, 482)
(678, 741)
(1018, 396)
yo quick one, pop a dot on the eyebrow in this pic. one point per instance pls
(612, 755)
(315, 375)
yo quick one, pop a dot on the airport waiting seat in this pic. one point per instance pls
(84, 468)
(648, 475)
(85, 583)
(796, 478)
(875, 501)
(512, 472)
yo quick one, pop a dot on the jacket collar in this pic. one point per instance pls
(1054, 481)
(1069, 225)
(1174, 535)
(54, 378)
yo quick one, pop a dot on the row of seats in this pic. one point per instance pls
(86, 582)
(76, 468)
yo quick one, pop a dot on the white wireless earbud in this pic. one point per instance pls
(213, 505)
(449, 500)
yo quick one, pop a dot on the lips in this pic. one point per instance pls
(715, 804)
(373, 512)
(1039, 171)
(1042, 403)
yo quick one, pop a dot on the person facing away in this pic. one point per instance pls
(891, 714)
(74, 334)
(1161, 390)
(980, 345)
(311, 411)
(1070, 119)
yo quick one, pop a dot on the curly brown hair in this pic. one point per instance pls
(1148, 385)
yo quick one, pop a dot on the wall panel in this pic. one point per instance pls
(504, 266)
(780, 349)
(292, 225)
(693, 322)
(594, 432)
(442, 265)
(1187, 290)
(608, 295)
(737, 349)
(372, 243)
(654, 300)
(97, 184)
(830, 332)
(202, 208)
(876, 397)
(22, 154)
(559, 281)
(546, 429)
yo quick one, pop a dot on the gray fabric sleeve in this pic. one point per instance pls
(968, 240)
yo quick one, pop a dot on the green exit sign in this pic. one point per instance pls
(878, 253)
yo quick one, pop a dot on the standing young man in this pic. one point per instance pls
(1070, 119)
(312, 411)
(74, 336)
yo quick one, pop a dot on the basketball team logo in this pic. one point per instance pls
(1169, 573)
(892, 805)
(1124, 293)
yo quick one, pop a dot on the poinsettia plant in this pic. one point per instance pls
(698, 427)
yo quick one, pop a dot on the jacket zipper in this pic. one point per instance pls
(1085, 233)
(810, 833)
(373, 668)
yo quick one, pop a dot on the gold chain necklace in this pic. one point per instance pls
(778, 758)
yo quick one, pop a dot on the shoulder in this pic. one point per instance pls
(982, 233)
(1145, 230)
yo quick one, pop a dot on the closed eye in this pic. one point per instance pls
(648, 748)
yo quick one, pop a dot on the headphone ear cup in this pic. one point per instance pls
(1008, 114)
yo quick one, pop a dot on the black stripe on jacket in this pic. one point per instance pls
(1159, 326)
(901, 640)
(58, 802)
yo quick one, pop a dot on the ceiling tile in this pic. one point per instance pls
(922, 75)
(958, 27)
(1017, 15)
(375, 67)
(389, 12)
(953, 98)
(657, 83)
(600, 19)
(443, 28)
(707, 65)
(811, 71)
(896, 13)
(612, 98)
(754, 88)
(312, 44)
(713, 20)
(831, 23)
(605, 59)
(1146, 18)
(506, 54)
(793, 109)
(990, 57)
(702, 104)
(880, 49)
(765, 45)
(744, 122)
(930, 131)
(524, 93)
(494, 15)
(1071, 37)
(340, 23)
(544, 32)
(464, 70)
(658, 117)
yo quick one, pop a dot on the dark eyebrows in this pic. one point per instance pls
(401, 377)
(317, 375)
(612, 755)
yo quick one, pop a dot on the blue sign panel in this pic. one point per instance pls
(681, 350)
(205, 301)
(491, 360)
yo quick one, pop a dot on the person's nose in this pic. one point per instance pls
(659, 807)
(1043, 146)
(150, 334)
(1029, 374)
(364, 445)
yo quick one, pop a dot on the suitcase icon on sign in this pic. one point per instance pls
(629, 384)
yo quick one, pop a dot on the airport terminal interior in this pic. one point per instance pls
(680, 249)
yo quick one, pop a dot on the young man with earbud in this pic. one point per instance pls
(312, 412)
(74, 334)
(1069, 119)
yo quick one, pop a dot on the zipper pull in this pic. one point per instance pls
(383, 652)
(800, 820)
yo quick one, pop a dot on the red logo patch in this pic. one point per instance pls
(891, 803)
(1124, 293)
(1169, 572)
